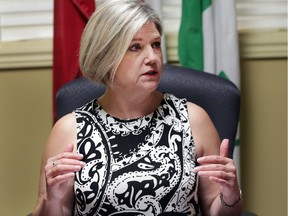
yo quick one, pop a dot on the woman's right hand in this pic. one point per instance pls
(61, 169)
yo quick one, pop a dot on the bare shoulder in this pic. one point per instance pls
(198, 117)
(196, 113)
(205, 135)
(63, 133)
(66, 123)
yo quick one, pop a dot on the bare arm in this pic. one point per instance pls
(217, 172)
(59, 162)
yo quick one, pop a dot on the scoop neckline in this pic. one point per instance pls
(103, 112)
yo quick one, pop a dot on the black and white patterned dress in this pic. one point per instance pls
(137, 167)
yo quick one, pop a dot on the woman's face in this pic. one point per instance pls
(141, 66)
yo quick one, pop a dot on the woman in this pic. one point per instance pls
(134, 150)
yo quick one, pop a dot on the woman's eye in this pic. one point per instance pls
(157, 45)
(135, 47)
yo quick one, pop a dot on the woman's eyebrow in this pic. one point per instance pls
(137, 39)
(141, 38)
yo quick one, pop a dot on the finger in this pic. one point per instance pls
(222, 183)
(225, 185)
(214, 159)
(225, 176)
(60, 178)
(63, 155)
(215, 167)
(224, 148)
(68, 161)
(61, 166)
(61, 170)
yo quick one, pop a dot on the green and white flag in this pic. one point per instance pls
(208, 41)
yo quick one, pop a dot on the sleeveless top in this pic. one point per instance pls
(140, 167)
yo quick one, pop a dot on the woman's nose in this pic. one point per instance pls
(151, 55)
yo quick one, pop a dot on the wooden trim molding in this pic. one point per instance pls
(253, 44)
(26, 54)
(38, 53)
(263, 44)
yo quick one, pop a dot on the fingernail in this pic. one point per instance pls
(80, 155)
(199, 159)
(196, 169)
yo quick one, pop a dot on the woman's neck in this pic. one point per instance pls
(131, 106)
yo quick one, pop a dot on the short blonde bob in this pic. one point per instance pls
(108, 34)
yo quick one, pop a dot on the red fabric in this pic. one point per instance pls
(70, 18)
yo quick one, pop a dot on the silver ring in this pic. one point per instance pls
(54, 163)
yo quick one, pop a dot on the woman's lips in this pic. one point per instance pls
(150, 73)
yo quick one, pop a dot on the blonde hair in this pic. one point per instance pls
(108, 34)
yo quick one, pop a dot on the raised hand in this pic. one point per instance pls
(61, 169)
(221, 170)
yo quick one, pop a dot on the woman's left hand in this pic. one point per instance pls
(221, 170)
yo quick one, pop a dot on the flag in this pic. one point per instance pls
(208, 41)
(70, 18)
